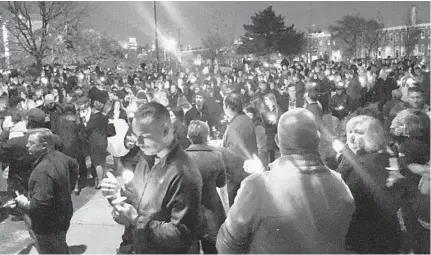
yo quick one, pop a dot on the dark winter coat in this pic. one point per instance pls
(213, 171)
(50, 191)
(374, 227)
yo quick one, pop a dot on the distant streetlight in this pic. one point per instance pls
(170, 45)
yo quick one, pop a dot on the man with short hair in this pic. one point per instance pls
(240, 139)
(14, 152)
(198, 112)
(162, 210)
(416, 103)
(53, 111)
(300, 206)
(49, 202)
(314, 106)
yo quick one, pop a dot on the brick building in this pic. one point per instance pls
(321, 44)
(393, 43)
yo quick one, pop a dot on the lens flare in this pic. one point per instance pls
(337, 145)
(127, 175)
(44, 80)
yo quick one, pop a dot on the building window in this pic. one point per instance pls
(329, 43)
(423, 49)
(429, 34)
(397, 52)
(416, 49)
(402, 36)
(423, 34)
(391, 37)
(320, 43)
(403, 51)
(397, 37)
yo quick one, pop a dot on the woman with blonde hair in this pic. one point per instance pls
(271, 115)
(374, 227)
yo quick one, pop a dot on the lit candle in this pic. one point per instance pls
(337, 145)
(127, 175)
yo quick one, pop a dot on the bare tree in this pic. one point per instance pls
(33, 25)
(347, 32)
(373, 35)
(214, 43)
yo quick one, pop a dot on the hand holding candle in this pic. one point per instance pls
(110, 186)
(338, 146)
(253, 165)
(127, 175)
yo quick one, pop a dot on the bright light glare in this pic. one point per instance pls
(44, 80)
(337, 145)
(127, 175)
(170, 44)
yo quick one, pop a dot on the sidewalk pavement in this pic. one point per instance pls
(92, 229)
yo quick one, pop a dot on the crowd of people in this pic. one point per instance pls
(227, 159)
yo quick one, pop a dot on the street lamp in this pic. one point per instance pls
(156, 41)
(170, 44)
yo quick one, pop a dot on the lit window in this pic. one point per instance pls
(329, 42)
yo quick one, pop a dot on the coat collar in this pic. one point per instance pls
(165, 157)
(200, 147)
(305, 163)
(235, 116)
(41, 157)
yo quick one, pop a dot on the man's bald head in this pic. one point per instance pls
(49, 101)
(49, 98)
(161, 97)
(297, 132)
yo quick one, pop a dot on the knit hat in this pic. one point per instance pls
(121, 94)
(297, 133)
(15, 100)
(35, 115)
(141, 95)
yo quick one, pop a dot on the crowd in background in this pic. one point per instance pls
(378, 109)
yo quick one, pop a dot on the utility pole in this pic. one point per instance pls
(179, 44)
(157, 31)
(309, 40)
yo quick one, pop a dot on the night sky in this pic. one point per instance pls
(196, 20)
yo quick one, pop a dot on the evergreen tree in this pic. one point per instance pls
(291, 42)
(267, 34)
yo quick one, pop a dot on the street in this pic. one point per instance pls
(92, 230)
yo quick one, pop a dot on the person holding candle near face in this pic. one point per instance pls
(163, 211)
